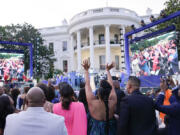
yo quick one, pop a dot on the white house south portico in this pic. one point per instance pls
(95, 34)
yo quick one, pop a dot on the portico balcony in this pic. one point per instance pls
(98, 43)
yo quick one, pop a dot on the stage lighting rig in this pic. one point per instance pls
(163, 14)
(121, 36)
(142, 23)
(1, 35)
(177, 40)
(133, 27)
(152, 19)
(120, 30)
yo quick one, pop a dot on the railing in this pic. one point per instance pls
(99, 43)
(84, 44)
(115, 41)
(106, 10)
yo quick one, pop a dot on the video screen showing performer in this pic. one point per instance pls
(11, 66)
(155, 56)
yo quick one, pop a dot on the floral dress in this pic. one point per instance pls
(96, 127)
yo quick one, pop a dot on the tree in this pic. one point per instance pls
(42, 56)
(171, 6)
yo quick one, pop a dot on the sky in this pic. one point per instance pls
(49, 13)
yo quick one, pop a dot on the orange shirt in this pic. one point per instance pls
(168, 94)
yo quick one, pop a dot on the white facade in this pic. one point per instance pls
(95, 34)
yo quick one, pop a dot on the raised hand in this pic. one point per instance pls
(171, 82)
(109, 67)
(86, 65)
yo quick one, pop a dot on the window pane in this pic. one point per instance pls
(102, 62)
(51, 47)
(65, 66)
(117, 62)
(101, 39)
(64, 45)
(116, 39)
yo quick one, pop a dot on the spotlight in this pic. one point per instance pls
(121, 32)
(152, 19)
(133, 27)
(20, 39)
(177, 40)
(142, 23)
(1, 35)
(163, 14)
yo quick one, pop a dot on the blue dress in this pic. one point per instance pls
(96, 127)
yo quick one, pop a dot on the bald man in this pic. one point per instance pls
(35, 121)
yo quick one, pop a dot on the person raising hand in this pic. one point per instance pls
(101, 109)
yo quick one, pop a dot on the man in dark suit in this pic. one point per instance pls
(137, 112)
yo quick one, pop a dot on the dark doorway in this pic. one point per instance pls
(65, 65)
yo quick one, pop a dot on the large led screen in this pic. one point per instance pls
(11, 65)
(155, 56)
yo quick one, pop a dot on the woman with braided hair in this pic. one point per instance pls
(101, 109)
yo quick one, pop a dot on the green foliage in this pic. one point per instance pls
(8, 56)
(148, 43)
(171, 6)
(58, 72)
(42, 57)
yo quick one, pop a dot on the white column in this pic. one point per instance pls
(79, 50)
(91, 39)
(108, 48)
(72, 52)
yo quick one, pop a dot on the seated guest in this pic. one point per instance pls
(173, 111)
(101, 109)
(6, 108)
(137, 112)
(35, 121)
(73, 112)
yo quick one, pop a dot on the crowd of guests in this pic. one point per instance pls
(49, 110)
(155, 60)
(11, 69)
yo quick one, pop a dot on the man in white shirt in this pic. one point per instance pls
(35, 121)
